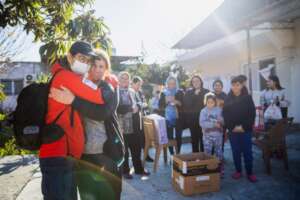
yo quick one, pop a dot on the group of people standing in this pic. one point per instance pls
(214, 116)
(101, 116)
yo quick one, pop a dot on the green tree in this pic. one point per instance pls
(41, 17)
(84, 27)
(53, 23)
(158, 74)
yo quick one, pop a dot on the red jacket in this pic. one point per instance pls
(72, 143)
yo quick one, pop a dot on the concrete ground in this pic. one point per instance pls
(15, 173)
(20, 178)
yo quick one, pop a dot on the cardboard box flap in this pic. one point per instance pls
(194, 160)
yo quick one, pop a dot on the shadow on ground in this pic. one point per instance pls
(9, 165)
(280, 185)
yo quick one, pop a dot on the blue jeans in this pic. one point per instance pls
(58, 180)
(241, 144)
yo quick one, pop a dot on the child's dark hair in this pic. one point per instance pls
(242, 77)
(136, 79)
(210, 96)
(237, 79)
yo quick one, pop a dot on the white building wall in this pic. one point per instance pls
(284, 46)
(19, 71)
(295, 75)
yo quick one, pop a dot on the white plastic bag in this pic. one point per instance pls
(273, 112)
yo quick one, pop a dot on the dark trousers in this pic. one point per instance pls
(132, 143)
(284, 112)
(58, 179)
(178, 135)
(241, 144)
(196, 136)
(224, 138)
(98, 177)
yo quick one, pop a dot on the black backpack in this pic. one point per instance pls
(29, 116)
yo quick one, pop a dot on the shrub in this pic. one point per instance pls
(10, 148)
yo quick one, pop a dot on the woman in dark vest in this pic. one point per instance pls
(136, 85)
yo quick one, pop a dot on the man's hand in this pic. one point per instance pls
(238, 129)
(197, 91)
(62, 95)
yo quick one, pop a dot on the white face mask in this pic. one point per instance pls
(79, 67)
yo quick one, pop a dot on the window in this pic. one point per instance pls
(12, 87)
(19, 85)
(264, 64)
(7, 89)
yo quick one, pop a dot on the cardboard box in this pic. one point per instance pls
(195, 173)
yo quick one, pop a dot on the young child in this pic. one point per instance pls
(211, 121)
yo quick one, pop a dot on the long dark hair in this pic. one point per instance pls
(198, 77)
(275, 79)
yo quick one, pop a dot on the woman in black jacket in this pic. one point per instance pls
(193, 102)
(99, 170)
(239, 116)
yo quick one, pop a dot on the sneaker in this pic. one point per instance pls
(236, 175)
(252, 178)
(144, 173)
(127, 176)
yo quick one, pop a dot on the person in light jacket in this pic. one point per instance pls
(211, 121)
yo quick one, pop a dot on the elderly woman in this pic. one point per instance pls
(98, 174)
(126, 111)
(239, 115)
(170, 104)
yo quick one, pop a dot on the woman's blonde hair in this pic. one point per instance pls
(124, 73)
(102, 55)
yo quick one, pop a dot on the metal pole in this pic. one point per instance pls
(249, 59)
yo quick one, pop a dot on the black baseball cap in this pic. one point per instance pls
(83, 48)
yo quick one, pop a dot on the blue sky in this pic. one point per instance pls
(158, 24)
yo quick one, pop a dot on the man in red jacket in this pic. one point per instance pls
(56, 159)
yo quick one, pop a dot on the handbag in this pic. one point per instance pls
(272, 112)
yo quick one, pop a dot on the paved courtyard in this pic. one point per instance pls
(20, 179)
